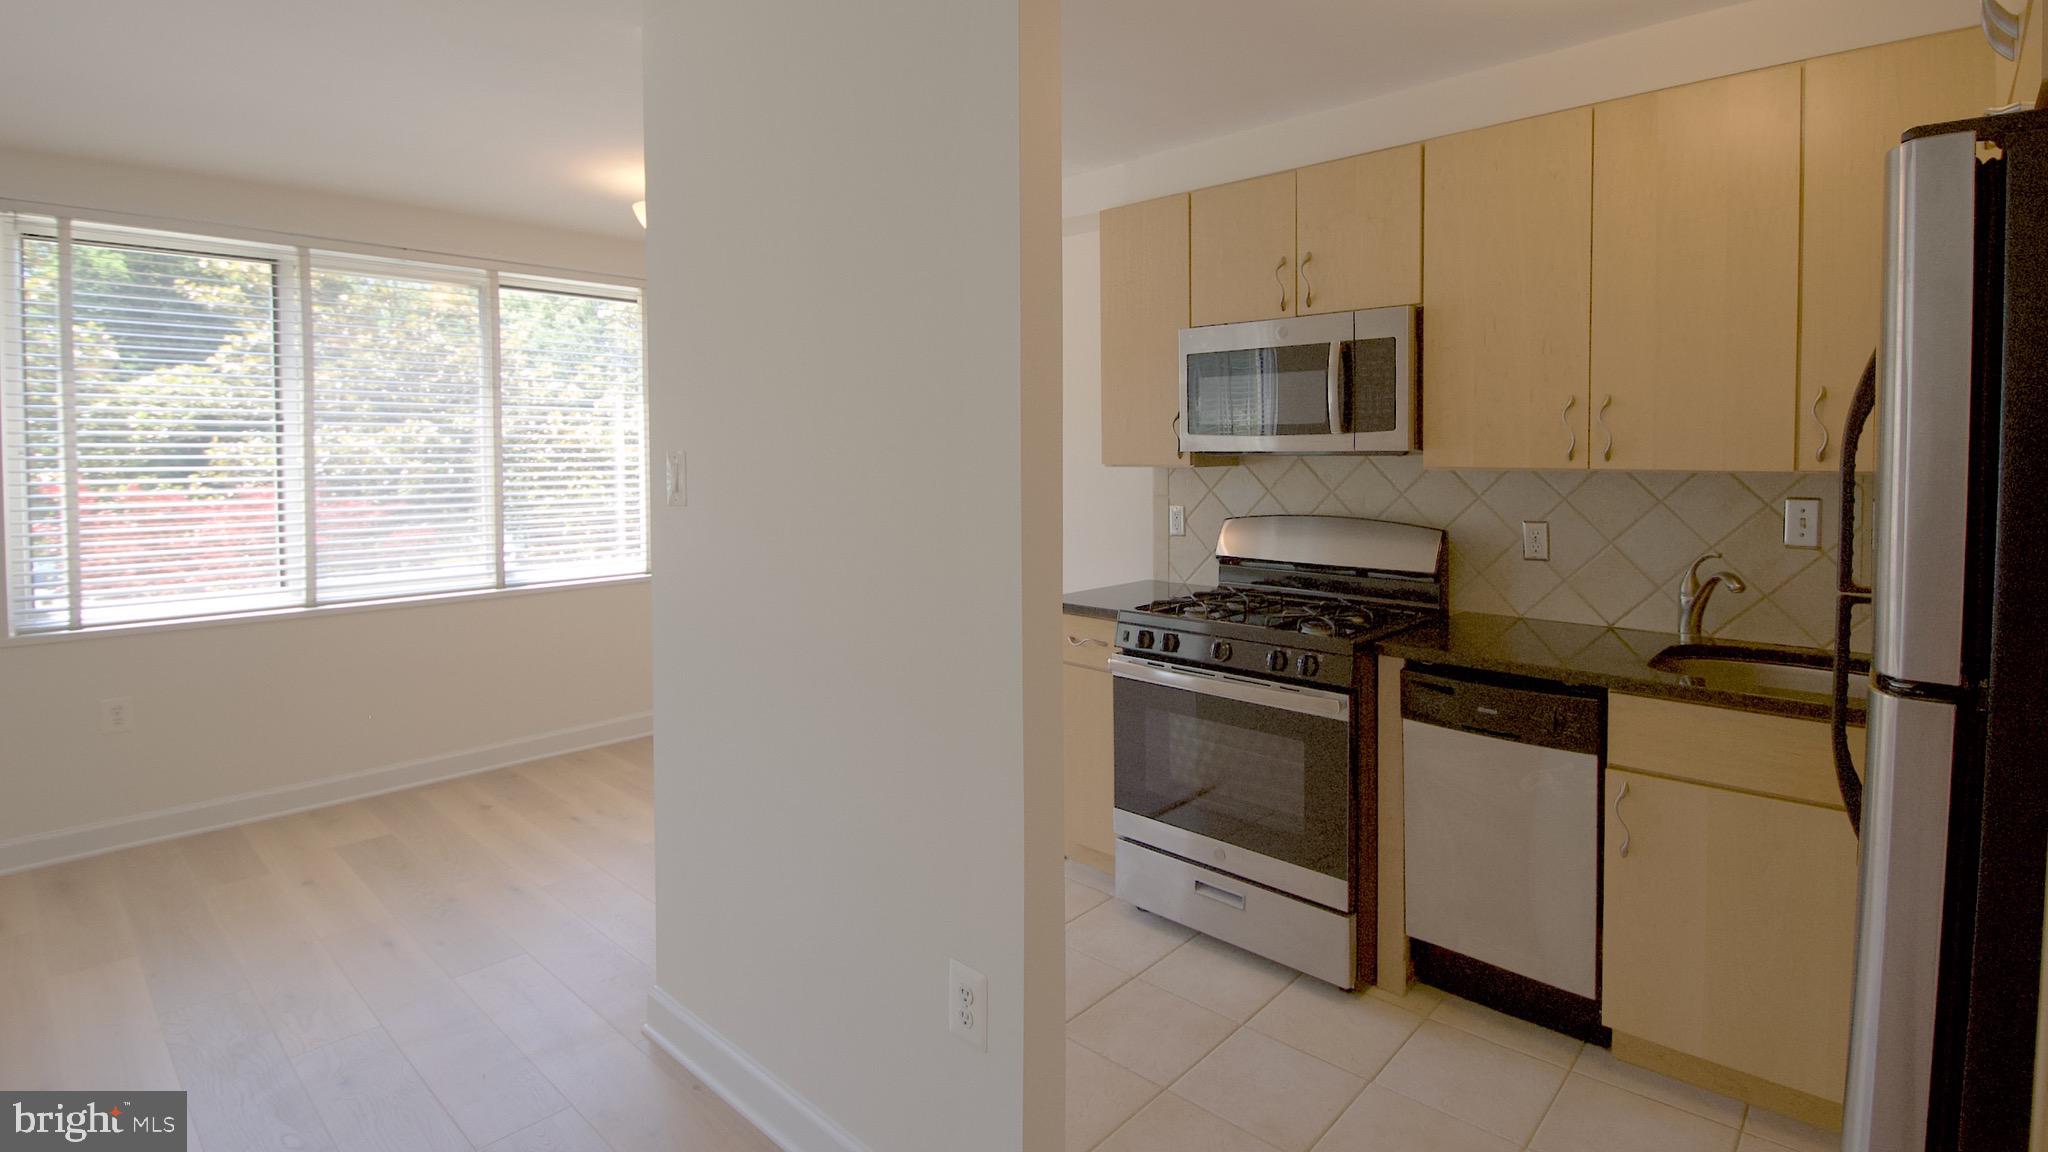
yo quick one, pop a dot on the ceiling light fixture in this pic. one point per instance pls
(640, 212)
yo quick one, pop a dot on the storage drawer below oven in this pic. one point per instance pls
(1303, 936)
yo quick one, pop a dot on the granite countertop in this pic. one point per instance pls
(1107, 602)
(1617, 659)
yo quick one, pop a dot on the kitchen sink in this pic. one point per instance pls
(1760, 670)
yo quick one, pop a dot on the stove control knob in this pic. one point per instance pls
(1220, 650)
(1276, 660)
(1169, 642)
(1308, 665)
(1145, 639)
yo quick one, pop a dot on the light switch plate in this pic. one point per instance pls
(1176, 520)
(1535, 539)
(1802, 522)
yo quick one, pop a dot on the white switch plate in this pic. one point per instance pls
(1535, 539)
(117, 714)
(1802, 522)
(677, 495)
(1176, 520)
(967, 1004)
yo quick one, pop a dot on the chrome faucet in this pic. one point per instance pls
(1692, 596)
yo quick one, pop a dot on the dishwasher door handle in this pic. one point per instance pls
(1618, 798)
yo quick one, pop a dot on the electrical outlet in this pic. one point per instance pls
(1535, 539)
(967, 1004)
(1802, 523)
(677, 494)
(1176, 520)
(117, 714)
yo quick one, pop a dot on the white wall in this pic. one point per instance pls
(856, 713)
(309, 708)
(1716, 42)
(1107, 511)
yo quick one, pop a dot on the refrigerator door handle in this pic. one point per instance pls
(1848, 594)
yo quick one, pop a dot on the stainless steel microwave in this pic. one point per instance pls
(1343, 382)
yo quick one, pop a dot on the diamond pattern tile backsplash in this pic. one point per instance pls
(1619, 541)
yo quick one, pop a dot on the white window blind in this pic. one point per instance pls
(574, 421)
(191, 427)
(401, 434)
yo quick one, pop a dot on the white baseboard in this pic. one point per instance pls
(792, 1122)
(41, 848)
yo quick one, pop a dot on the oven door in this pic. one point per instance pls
(1246, 776)
(1269, 386)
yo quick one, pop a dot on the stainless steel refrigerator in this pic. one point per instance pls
(1954, 798)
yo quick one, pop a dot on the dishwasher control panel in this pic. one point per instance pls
(1549, 717)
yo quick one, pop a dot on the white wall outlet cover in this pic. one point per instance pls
(1802, 522)
(1176, 520)
(117, 714)
(1535, 539)
(967, 1004)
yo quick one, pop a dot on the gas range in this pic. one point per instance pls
(1276, 632)
(1245, 727)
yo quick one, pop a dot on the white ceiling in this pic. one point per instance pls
(1141, 76)
(530, 109)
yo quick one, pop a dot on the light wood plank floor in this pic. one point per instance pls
(462, 965)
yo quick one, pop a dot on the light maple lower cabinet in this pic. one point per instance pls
(1089, 743)
(1729, 917)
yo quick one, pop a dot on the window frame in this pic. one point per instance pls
(295, 258)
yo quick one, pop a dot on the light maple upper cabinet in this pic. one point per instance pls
(1241, 250)
(1857, 104)
(1144, 307)
(1696, 275)
(1506, 221)
(1358, 232)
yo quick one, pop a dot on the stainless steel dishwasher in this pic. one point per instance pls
(1502, 825)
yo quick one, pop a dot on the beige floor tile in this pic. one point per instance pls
(1089, 980)
(1476, 1080)
(1080, 898)
(1220, 977)
(1150, 1031)
(1791, 1133)
(1600, 1064)
(1100, 1097)
(1386, 1121)
(1507, 1031)
(1095, 878)
(1173, 1124)
(1116, 933)
(1751, 1142)
(1356, 1033)
(1593, 1116)
(1420, 999)
(1283, 1096)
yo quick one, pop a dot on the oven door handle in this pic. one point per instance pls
(1287, 697)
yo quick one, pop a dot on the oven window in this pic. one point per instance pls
(1260, 392)
(1252, 776)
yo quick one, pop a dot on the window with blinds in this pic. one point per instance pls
(193, 427)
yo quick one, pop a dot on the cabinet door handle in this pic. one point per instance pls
(1821, 453)
(1277, 270)
(1085, 642)
(1607, 450)
(1618, 798)
(1308, 290)
(1571, 447)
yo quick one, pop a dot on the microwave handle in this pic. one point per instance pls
(1340, 420)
